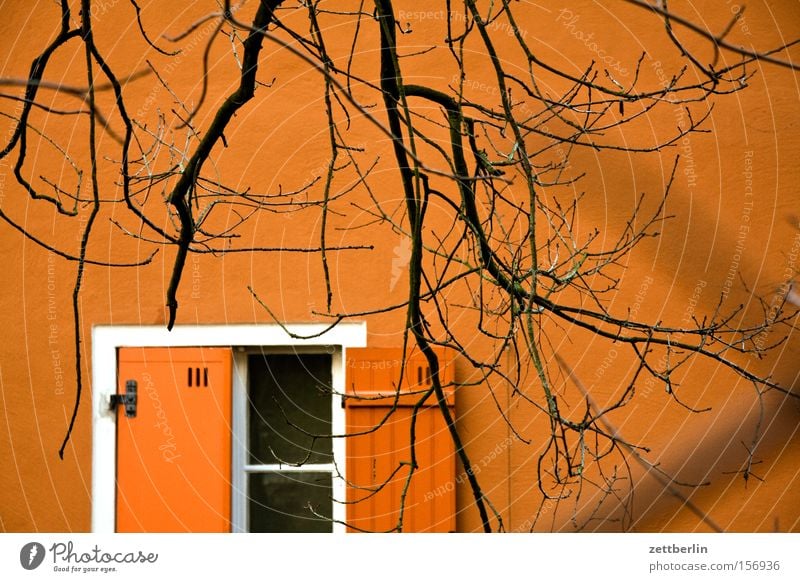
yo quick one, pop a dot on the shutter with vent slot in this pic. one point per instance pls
(373, 376)
(174, 454)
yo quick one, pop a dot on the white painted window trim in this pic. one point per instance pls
(241, 469)
(107, 339)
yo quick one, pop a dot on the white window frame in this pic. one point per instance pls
(241, 435)
(107, 339)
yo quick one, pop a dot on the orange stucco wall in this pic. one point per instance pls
(279, 140)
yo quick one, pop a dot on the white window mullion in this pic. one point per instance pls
(338, 426)
(309, 468)
(239, 431)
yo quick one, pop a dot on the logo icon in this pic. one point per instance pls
(401, 259)
(31, 555)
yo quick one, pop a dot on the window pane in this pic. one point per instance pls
(279, 502)
(289, 391)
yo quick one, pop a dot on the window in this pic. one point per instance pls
(263, 482)
(285, 482)
(231, 428)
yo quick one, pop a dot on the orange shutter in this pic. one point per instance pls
(174, 456)
(372, 378)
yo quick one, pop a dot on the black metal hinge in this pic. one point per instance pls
(128, 399)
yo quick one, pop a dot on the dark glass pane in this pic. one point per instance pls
(290, 399)
(279, 502)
